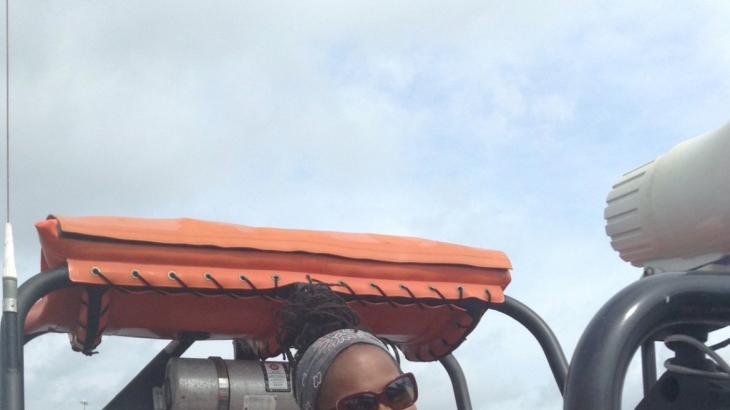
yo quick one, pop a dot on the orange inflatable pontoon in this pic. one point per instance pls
(169, 278)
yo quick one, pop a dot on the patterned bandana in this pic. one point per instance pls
(313, 366)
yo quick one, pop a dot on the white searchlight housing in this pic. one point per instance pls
(673, 214)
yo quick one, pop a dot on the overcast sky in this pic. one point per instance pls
(493, 124)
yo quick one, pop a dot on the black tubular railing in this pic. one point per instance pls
(630, 319)
(648, 365)
(137, 394)
(541, 331)
(40, 285)
(458, 382)
(12, 338)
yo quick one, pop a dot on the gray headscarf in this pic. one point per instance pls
(316, 360)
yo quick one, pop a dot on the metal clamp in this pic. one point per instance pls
(224, 385)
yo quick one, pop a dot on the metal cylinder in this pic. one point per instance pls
(216, 384)
(673, 214)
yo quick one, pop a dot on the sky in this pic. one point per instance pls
(492, 124)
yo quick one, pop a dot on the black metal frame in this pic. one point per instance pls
(12, 342)
(150, 376)
(535, 325)
(542, 333)
(458, 382)
(648, 365)
(12, 338)
(636, 316)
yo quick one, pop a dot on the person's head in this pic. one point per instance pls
(366, 368)
(336, 365)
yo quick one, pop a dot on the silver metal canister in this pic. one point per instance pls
(217, 384)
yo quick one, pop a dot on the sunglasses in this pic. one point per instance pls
(398, 394)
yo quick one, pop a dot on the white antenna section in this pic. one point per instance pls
(10, 275)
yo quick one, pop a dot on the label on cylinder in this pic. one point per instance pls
(259, 403)
(276, 376)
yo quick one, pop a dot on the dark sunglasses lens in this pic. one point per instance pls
(401, 393)
(365, 401)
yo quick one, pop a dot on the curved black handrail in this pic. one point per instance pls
(549, 343)
(12, 338)
(458, 382)
(642, 309)
(42, 284)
